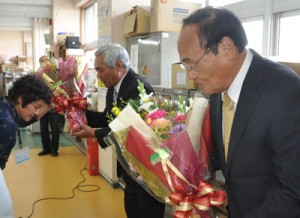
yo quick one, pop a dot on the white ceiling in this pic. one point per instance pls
(18, 14)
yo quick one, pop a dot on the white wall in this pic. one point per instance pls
(11, 44)
(66, 17)
(79, 3)
(40, 27)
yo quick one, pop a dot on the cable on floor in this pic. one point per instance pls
(79, 187)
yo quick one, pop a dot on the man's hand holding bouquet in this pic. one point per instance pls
(165, 146)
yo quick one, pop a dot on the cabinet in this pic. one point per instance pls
(107, 159)
(152, 56)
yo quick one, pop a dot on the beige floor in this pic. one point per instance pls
(56, 177)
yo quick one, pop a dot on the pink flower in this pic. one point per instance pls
(180, 118)
(155, 115)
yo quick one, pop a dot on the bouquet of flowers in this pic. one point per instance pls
(68, 92)
(49, 72)
(165, 146)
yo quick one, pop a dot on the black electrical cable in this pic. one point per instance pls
(78, 187)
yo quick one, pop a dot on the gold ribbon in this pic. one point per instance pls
(204, 198)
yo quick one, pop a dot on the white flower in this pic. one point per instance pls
(145, 106)
(146, 98)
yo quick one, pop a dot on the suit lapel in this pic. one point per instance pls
(109, 99)
(125, 83)
(248, 99)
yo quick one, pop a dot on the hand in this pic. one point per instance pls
(85, 132)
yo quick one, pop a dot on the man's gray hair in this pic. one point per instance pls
(113, 52)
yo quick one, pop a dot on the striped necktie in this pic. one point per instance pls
(228, 113)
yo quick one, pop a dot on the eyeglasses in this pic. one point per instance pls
(191, 67)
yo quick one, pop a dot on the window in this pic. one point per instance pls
(90, 23)
(254, 31)
(288, 45)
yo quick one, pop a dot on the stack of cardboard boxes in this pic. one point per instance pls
(180, 78)
(137, 21)
(17, 64)
(162, 16)
(167, 15)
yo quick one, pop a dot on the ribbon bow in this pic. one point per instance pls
(205, 197)
(62, 103)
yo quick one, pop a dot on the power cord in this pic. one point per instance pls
(78, 187)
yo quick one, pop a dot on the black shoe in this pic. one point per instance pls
(54, 153)
(43, 152)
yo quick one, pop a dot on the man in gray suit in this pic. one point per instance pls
(261, 169)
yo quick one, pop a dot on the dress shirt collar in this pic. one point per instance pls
(117, 87)
(235, 88)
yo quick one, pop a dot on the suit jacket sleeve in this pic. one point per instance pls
(283, 196)
(98, 120)
(280, 96)
(100, 134)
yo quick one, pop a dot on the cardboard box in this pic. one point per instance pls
(294, 65)
(29, 61)
(137, 21)
(1, 60)
(167, 15)
(21, 59)
(180, 78)
(7, 67)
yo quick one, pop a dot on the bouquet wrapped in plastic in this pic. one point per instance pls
(49, 72)
(165, 146)
(68, 93)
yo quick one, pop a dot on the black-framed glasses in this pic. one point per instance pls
(191, 67)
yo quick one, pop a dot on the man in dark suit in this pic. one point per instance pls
(113, 68)
(261, 169)
(50, 144)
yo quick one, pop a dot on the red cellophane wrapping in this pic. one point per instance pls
(68, 98)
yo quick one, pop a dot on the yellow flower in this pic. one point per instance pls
(148, 120)
(116, 111)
